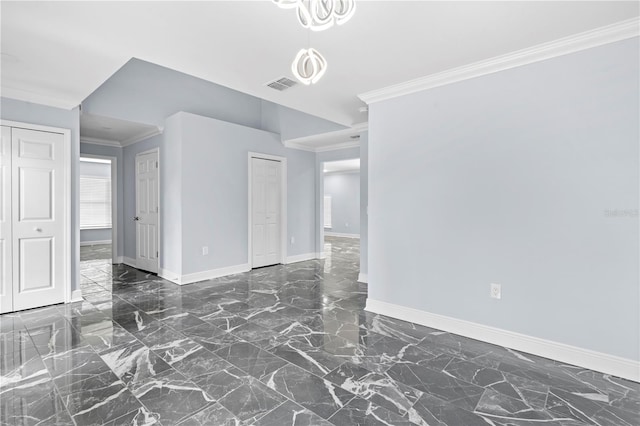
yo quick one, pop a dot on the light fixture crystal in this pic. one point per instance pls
(309, 66)
(318, 15)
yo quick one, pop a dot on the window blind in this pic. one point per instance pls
(95, 202)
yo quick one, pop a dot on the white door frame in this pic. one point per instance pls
(66, 149)
(135, 171)
(114, 202)
(283, 205)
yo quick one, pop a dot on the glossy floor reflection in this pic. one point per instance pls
(278, 346)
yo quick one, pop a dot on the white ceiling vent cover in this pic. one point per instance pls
(281, 84)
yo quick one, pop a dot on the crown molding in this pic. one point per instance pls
(37, 98)
(98, 141)
(337, 146)
(593, 38)
(301, 143)
(295, 145)
(332, 147)
(142, 136)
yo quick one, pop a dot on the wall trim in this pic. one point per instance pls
(321, 255)
(340, 234)
(340, 172)
(129, 261)
(142, 136)
(212, 273)
(598, 361)
(169, 275)
(300, 258)
(574, 43)
(94, 243)
(363, 278)
(76, 296)
(157, 130)
(119, 259)
(26, 95)
(98, 141)
(332, 147)
(301, 143)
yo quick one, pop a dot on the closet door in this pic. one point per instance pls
(265, 215)
(38, 218)
(6, 289)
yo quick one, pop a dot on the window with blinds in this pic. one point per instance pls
(95, 202)
(327, 211)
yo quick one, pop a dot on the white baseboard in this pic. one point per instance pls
(598, 361)
(341, 234)
(300, 258)
(321, 255)
(76, 296)
(168, 275)
(94, 243)
(129, 261)
(362, 278)
(213, 273)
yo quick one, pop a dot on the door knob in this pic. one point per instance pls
(37, 229)
(136, 218)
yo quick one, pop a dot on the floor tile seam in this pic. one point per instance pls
(262, 380)
(127, 385)
(288, 363)
(53, 382)
(273, 409)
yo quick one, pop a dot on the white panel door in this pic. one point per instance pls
(37, 162)
(265, 206)
(147, 207)
(6, 289)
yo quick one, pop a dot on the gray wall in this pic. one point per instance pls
(291, 124)
(112, 151)
(91, 236)
(511, 178)
(147, 93)
(94, 169)
(14, 110)
(364, 201)
(215, 192)
(203, 186)
(344, 189)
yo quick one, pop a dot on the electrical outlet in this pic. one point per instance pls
(293, 240)
(496, 291)
(205, 250)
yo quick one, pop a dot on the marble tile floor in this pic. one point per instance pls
(282, 345)
(95, 252)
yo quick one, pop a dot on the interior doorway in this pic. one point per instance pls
(341, 210)
(267, 210)
(147, 216)
(98, 208)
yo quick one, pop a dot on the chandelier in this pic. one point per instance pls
(317, 15)
(308, 66)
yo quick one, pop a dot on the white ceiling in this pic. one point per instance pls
(111, 131)
(57, 53)
(341, 166)
(339, 139)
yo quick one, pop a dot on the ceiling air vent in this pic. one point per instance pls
(281, 84)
